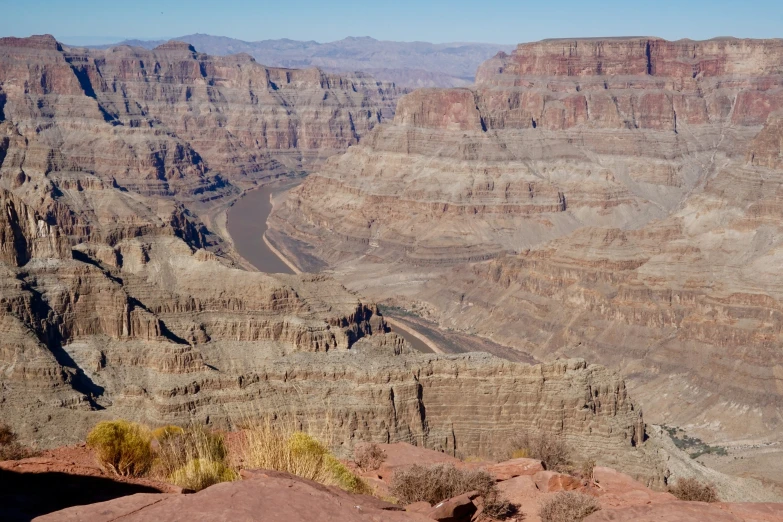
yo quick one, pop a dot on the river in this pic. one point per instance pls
(247, 225)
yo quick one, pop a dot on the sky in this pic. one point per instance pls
(495, 21)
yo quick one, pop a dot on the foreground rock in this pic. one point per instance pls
(260, 496)
(264, 495)
(612, 199)
(61, 478)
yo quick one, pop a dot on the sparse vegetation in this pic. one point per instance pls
(693, 446)
(521, 453)
(192, 458)
(163, 432)
(122, 447)
(439, 482)
(368, 456)
(10, 449)
(587, 470)
(568, 506)
(297, 453)
(396, 311)
(548, 448)
(691, 489)
(198, 474)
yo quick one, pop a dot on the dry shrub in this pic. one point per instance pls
(164, 431)
(122, 447)
(439, 482)
(587, 471)
(10, 449)
(297, 453)
(521, 453)
(568, 506)
(193, 458)
(691, 489)
(550, 449)
(198, 474)
(368, 456)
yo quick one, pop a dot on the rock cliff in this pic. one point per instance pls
(613, 199)
(171, 120)
(114, 301)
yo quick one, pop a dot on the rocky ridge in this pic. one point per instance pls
(171, 120)
(116, 302)
(524, 482)
(612, 199)
(408, 64)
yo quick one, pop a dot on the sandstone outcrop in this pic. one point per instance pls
(92, 495)
(409, 64)
(116, 302)
(172, 120)
(613, 199)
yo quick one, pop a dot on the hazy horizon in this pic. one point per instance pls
(91, 22)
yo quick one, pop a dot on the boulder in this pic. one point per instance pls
(457, 509)
(262, 495)
(692, 512)
(552, 481)
(515, 468)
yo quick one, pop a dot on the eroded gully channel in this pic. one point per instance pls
(247, 225)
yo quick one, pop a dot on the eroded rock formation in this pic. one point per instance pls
(115, 303)
(614, 199)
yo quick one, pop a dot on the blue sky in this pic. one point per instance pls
(497, 21)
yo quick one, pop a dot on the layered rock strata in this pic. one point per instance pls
(113, 305)
(172, 120)
(614, 199)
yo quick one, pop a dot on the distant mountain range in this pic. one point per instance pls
(409, 64)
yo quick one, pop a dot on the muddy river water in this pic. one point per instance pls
(247, 226)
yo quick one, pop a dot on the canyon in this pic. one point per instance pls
(613, 199)
(123, 295)
(407, 64)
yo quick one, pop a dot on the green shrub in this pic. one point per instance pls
(122, 447)
(202, 473)
(568, 506)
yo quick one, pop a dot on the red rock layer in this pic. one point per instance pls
(630, 193)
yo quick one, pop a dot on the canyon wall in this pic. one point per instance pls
(171, 120)
(613, 199)
(114, 301)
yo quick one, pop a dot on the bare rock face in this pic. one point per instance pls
(613, 199)
(114, 302)
(171, 120)
(264, 496)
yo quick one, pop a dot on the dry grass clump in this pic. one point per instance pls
(193, 458)
(164, 431)
(368, 456)
(690, 489)
(10, 449)
(122, 447)
(198, 474)
(297, 453)
(568, 506)
(521, 453)
(439, 482)
(550, 449)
